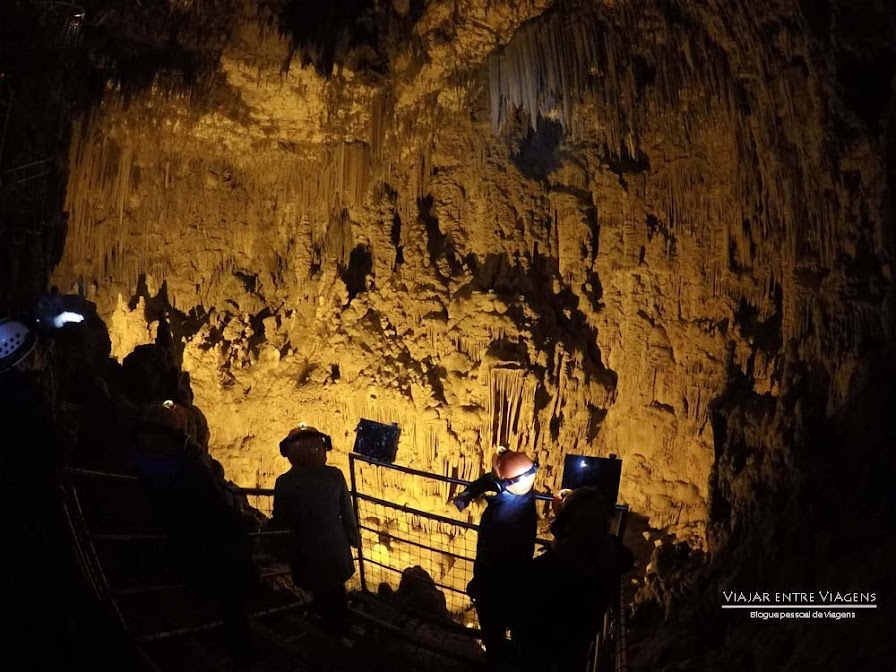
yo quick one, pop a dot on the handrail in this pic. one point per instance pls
(417, 512)
(257, 492)
(269, 492)
(540, 496)
(433, 516)
(180, 632)
(426, 474)
(140, 590)
(158, 536)
(621, 637)
(612, 640)
(414, 543)
(104, 475)
(409, 470)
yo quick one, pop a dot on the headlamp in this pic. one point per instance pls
(504, 483)
(66, 317)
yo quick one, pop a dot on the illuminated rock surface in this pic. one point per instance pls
(656, 230)
(574, 256)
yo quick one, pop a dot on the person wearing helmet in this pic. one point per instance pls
(207, 532)
(312, 501)
(505, 545)
(35, 541)
(16, 343)
(574, 581)
(39, 567)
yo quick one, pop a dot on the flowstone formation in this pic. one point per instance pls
(560, 227)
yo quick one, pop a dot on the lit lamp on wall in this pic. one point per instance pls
(600, 472)
(377, 440)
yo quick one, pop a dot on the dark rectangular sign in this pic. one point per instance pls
(377, 440)
(602, 472)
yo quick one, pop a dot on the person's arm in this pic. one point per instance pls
(278, 513)
(476, 489)
(347, 512)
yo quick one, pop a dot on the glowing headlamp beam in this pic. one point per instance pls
(66, 317)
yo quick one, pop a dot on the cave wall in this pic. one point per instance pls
(563, 227)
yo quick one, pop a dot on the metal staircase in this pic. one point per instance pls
(121, 552)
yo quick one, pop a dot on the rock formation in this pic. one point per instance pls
(660, 230)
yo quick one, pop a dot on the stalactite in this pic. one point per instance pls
(339, 240)
(510, 407)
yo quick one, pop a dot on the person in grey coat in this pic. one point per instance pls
(312, 501)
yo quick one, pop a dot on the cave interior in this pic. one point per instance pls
(657, 230)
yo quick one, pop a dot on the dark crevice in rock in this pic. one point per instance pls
(395, 237)
(762, 334)
(360, 265)
(438, 245)
(537, 155)
(656, 227)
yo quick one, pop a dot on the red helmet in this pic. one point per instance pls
(514, 472)
(509, 464)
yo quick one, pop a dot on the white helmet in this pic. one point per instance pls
(16, 342)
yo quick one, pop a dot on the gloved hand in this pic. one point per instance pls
(462, 501)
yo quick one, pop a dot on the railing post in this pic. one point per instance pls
(90, 559)
(621, 635)
(354, 494)
(622, 521)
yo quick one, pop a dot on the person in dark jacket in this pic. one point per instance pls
(505, 545)
(312, 500)
(54, 620)
(569, 588)
(207, 533)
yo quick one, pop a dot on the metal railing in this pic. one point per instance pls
(89, 558)
(397, 536)
(610, 647)
(408, 535)
(433, 557)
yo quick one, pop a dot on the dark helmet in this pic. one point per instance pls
(582, 512)
(164, 429)
(168, 415)
(303, 433)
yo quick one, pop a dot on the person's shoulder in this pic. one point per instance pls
(284, 478)
(334, 472)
